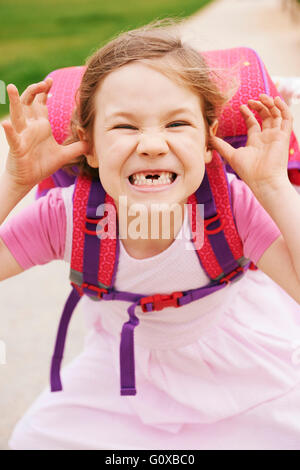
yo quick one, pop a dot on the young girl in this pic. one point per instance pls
(221, 372)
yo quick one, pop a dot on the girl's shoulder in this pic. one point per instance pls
(37, 234)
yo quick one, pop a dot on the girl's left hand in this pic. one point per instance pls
(264, 159)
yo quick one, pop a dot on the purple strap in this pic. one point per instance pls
(91, 242)
(218, 240)
(63, 179)
(70, 305)
(127, 363)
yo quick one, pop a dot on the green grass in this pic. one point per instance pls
(38, 36)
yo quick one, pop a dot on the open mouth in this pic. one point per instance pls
(152, 179)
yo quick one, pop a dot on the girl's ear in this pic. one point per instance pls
(212, 132)
(90, 156)
(214, 127)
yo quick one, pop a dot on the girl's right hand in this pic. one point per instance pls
(34, 154)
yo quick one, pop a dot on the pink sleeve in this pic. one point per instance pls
(255, 226)
(37, 234)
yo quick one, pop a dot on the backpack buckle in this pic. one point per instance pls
(160, 301)
(210, 221)
(228, 279)
(99, 290)
(95, 222)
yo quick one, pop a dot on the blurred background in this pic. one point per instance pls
(37, 36)
(40, 36)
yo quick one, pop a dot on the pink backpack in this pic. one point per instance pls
(94, 260)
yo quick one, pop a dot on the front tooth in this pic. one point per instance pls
(165, 178)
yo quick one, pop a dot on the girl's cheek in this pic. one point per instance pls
(121, 145)
(187, 140)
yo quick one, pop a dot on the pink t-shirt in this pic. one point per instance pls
(37, 235)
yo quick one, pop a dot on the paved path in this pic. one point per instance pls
(31, 303)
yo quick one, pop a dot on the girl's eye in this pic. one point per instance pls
(178, 123)
(124, 126)
(173, 124)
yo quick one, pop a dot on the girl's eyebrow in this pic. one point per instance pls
(168, 114)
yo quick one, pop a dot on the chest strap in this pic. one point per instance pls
(146, 302)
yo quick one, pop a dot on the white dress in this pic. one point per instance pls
(222, 372)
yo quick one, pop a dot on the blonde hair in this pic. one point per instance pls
(158, 46)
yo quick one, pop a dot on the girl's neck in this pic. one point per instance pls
(144, 239)
(141, 249)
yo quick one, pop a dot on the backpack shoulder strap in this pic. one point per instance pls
(221, 250)
(95, 252)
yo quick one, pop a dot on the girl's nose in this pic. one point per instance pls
(152, 145)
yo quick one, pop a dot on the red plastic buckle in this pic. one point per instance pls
(78, 288)
(210, 221)
(100, 291)
(252, 266)
(160, 301)
(229, 276)
(93, 221)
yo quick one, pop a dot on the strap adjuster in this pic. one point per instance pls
(160, 301)
(99, 290)
(210, 221)
(95, 222)
(252, 266)
(231, 275)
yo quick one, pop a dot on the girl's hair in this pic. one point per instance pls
(156, 45)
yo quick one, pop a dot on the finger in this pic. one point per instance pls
(15, 108)
(223, 148)
(268, 101)
(250, 120)
(32, 91)
(12, 136)
(27, 93)
(263, 112)
(42, 97)
(260, 108)
(287, 118)
(71, 151)
(34, 98)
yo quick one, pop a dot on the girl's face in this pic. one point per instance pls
(146, 124)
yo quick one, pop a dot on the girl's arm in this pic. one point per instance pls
(8, 265)
(10, 195)
(262, 165)
(33, 155)
(281, 261)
